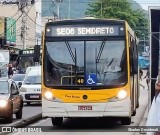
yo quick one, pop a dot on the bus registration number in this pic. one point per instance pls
(84, 108)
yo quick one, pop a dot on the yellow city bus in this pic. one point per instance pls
(89, 69)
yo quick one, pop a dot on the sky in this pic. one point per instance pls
(146, 3)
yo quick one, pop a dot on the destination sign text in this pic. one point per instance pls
(85, 31)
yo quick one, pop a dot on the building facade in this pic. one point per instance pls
(33, 24)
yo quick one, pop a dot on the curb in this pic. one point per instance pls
(144, 119)
(24, 122)
(27, 121)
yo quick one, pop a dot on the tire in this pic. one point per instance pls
(19, 113)
(126, 121)
(9, 119)
(57, 121)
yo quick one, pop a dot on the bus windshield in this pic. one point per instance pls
(70, 63)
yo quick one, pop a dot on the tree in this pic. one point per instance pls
(120, 9)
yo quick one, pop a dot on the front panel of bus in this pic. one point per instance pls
(85, 70)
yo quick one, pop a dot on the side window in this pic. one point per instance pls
(13, 88)
(133, 49)
(16, 86)
(130, 52)
(136, 54)
(133, 54)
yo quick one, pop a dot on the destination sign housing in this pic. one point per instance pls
(85, 31)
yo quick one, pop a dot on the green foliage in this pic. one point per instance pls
(120, 9)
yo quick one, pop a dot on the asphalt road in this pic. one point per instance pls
(28, 111)
(93, 126)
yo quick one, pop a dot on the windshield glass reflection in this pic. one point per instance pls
(4, 88)
(32, 80)
(77, 62)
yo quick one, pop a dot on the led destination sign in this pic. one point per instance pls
(85, 31)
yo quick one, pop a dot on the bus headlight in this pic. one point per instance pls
(121, 95)
(3, 103)
(49, 96)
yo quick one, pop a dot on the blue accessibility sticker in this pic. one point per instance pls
(91, 79)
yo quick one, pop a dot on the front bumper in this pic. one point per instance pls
(5, 111)
(109, 109)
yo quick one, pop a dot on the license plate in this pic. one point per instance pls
(84, 107)
(34, 96)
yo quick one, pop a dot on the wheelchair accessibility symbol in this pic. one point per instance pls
(91, 79)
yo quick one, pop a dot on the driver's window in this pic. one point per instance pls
(16, 86)
(13, 88)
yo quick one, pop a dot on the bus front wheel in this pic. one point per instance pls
(126, 121)
(57, 121)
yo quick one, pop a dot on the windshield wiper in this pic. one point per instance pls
(100, 51)
(99, 55)
(70, 51)
(105, 70)
(74, 58)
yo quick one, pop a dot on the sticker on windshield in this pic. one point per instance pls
(91, 79)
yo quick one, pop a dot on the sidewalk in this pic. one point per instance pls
(144, 119)
(143, 123)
